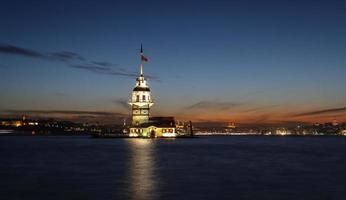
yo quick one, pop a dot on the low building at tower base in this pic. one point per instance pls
(156, 127)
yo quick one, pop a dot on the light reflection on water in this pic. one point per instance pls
(142, 181)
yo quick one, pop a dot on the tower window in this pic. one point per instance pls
(143, 97)
(137, 98)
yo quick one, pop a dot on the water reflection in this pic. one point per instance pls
(142, 180)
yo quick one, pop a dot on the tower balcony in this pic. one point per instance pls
(141, 103)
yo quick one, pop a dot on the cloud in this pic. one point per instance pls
(71, 115)
(104, 64)
(122, 102)
(208, 123)
(262, 118)
(72, 60)
(319, 112)
(262, 108)
(13, 50)
(93, 68)
(63, 112)
(213, 105)
(66, 56)
(103, 70)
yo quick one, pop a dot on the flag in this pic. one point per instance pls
(143, 58)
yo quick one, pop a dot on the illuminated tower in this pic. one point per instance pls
(141, 100)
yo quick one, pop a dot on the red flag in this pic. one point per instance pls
(143, 58)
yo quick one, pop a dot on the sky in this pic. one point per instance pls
(248, 62)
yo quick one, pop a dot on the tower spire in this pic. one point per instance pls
(141, 60)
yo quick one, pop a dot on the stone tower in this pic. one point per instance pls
(141, 100)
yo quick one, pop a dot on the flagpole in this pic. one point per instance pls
(141, 60)
(141, 67)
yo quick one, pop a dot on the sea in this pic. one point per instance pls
(211, 168)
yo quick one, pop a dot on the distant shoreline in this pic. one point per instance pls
(196, 136)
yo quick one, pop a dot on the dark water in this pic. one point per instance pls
(203, 168)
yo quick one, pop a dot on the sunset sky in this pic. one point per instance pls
(209, 61)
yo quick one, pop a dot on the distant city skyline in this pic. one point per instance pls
(224, 61)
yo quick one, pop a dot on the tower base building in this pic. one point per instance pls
(155, 127)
